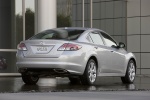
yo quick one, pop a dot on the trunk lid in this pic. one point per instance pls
(43, 48)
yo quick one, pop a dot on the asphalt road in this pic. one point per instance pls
(117, 95)
(106, 88)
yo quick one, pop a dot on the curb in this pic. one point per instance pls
(10, 75)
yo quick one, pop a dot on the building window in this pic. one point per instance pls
(69, 13)
(29, 18)
(12, 29)
(11, 32)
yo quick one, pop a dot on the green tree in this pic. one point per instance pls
(29, 23)
(63, 21)
(19, 28)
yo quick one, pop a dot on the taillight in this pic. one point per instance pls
(69, 47)
(22, 46)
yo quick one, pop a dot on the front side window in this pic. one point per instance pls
(96, 38)
(108, 40)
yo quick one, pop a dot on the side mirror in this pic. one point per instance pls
(121, 45)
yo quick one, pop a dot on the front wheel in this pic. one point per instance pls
(90, 75)
(130, 73)
(30, 79)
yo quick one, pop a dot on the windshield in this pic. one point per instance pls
(65, 34)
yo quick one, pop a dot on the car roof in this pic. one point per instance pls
(72, 28)
(79, 28)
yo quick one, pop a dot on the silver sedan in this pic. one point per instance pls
(81, 54)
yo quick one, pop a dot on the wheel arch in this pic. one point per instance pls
(94, 58)
(133, 59)
(130, 56)
(84, 78)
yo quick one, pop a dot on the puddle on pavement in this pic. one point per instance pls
(11, 84)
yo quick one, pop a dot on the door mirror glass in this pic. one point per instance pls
(122, 45)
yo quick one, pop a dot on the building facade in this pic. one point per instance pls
(127, 21)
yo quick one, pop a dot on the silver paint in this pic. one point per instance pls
(111, 61)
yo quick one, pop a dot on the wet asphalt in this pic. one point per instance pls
(16, 85)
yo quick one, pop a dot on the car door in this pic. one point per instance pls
(116, 55)
(101, 50)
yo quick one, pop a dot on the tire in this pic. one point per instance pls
(130, 73)
(74, 80)
(90, 74)
(30, 79)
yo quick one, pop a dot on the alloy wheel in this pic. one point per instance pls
(131, 71)
(92, 72)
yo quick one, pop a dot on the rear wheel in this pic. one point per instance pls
(30, 79)
(90, 75)
(130, 73)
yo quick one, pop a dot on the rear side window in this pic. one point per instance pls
(65, 34)
(96, 38)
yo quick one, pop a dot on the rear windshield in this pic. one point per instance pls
(64, 34)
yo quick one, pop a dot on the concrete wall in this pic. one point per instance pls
(126, 20)
(138, 33)
(108, 15)
(45, 15)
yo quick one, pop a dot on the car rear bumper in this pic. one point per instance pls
(72, 65)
